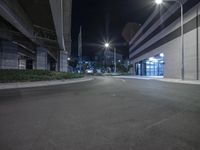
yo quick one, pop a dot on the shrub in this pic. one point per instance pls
(34, 75)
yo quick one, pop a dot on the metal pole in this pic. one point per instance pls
(197, 24)
(115, 63)
(182, 38)
(182, 43)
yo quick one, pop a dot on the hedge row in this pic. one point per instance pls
(34, 75)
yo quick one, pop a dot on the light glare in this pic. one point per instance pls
(158, 2)
(162, 55)
(107, 45)
(151, 59)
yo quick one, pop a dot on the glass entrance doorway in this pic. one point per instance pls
(153, 66)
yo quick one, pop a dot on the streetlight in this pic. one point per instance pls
(182, 31)
(158, 1)
(107, 45)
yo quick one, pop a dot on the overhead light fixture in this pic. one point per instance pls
(158, 2)
(162, 55)
(107, 45)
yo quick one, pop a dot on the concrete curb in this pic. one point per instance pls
(179, 81)
(4, 86)
(193, 82)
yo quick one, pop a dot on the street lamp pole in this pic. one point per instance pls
(107, 45)
(182, 42)
(115, 62)
(182, 34)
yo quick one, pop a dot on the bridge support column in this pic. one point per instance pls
(63, 62)
(41, 58)
(8, 55)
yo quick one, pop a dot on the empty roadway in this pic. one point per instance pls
(103, 114)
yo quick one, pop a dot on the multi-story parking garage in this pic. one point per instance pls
(35, 34)
(156, 49)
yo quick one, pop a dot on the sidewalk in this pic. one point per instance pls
(42, 83)
(160, 78)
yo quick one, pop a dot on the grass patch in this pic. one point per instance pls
(34, 75)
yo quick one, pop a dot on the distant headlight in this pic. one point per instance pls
(89, 71)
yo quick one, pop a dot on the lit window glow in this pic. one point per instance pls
(151, 59)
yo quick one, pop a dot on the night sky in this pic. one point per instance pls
(104, 20)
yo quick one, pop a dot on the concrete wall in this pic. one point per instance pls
(173, 57)
(172, 52)
(8, 55)
(172, 49)
(190, 55)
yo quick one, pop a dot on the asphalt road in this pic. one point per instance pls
(103, 114)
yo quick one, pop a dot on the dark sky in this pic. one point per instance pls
(104, 20)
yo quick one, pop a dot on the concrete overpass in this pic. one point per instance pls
(35, 34)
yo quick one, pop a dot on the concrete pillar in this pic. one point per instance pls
(48, 63)
(57, 67)
(22, 64)
(41, 58)
(34, 64)
(8, 55)
(67, 13)
(63, 62)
